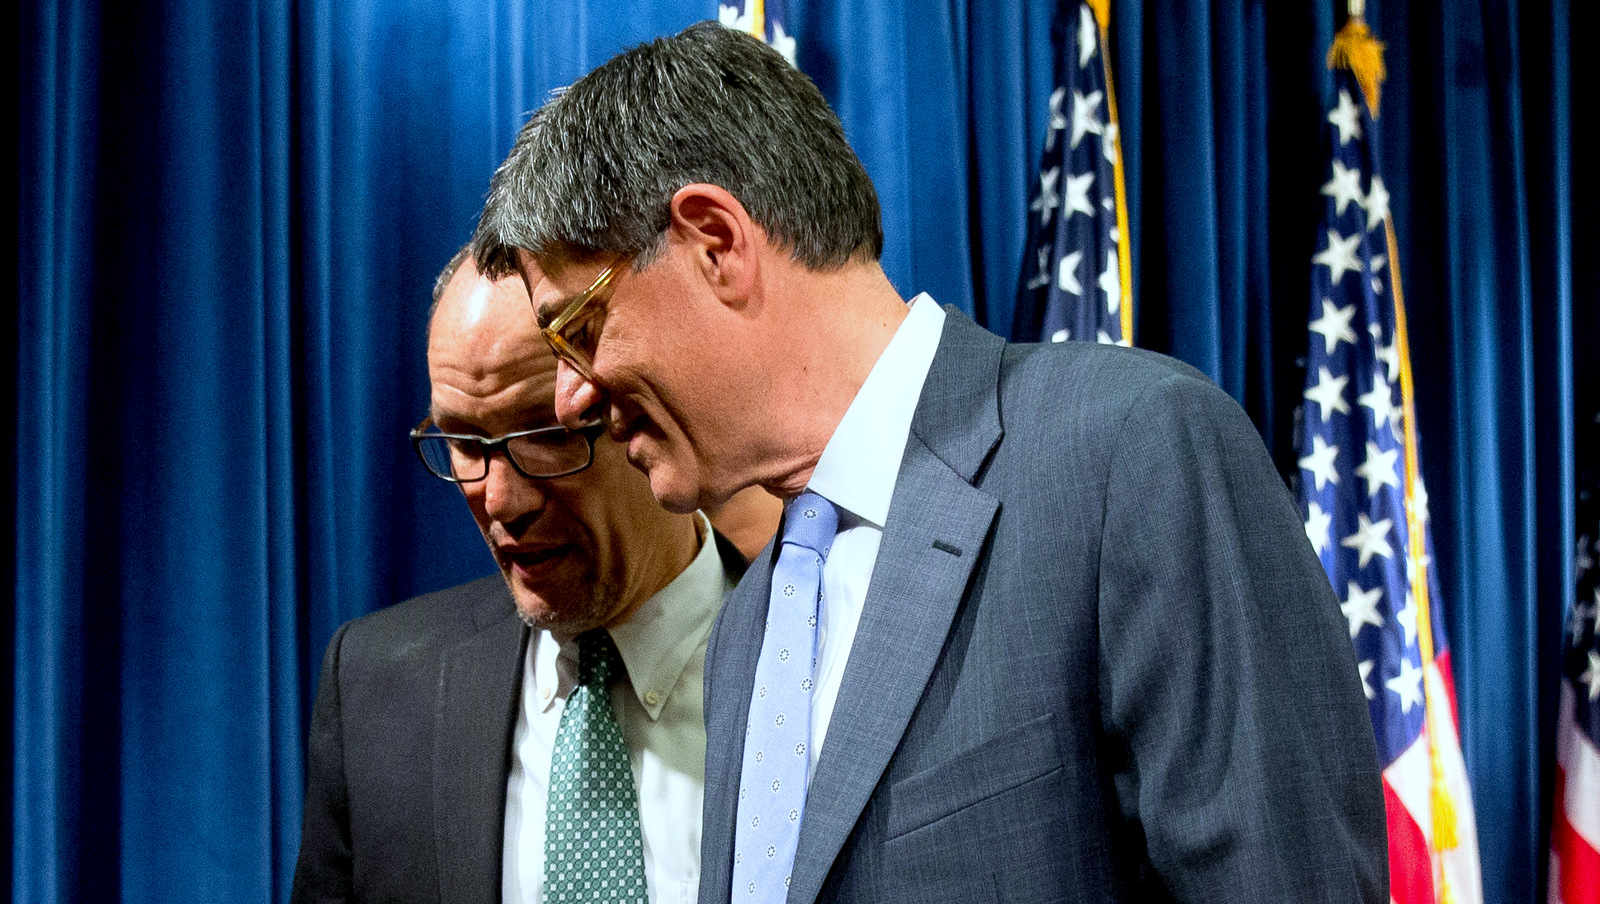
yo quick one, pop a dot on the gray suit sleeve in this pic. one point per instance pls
(1229, 691)
(323, 871)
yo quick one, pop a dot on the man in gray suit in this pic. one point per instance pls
(431, 752)
(1069, 641)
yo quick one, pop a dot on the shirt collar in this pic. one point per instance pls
(661, 637)
(859, 465)
(657, 641)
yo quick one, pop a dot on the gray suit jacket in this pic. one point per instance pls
(410, 750)
(1098, 660)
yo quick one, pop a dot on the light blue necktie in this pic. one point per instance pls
(772, 781)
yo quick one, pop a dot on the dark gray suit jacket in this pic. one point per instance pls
(1098, 660)
(410, 750)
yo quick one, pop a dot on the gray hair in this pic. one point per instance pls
(594, 171)
(442, 281)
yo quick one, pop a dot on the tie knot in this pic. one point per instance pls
(598, 659)
(810, 521)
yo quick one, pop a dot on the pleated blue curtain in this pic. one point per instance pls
(230, 215)
(157, 684)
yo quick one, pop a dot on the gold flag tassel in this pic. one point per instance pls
(1354, 48)
(1445, 835)
(758, 18)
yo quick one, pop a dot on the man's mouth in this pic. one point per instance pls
(530, 562)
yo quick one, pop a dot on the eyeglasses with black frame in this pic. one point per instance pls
(539, 454)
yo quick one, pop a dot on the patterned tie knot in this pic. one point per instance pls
(810, 521)
(598, 659)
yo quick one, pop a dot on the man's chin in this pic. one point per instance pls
(673, 495)
(536, 614)
(567, 610)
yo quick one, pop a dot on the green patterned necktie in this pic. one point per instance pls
(592, 849)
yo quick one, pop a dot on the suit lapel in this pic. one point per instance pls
(730, 675)
(480, 681)
(937, 529)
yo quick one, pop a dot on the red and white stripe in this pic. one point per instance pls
(1575, 823)
(1414, 873)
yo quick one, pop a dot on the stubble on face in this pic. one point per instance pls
(586, 602)
(553, 540)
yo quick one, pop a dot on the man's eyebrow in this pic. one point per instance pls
(545, 312)
(446, 423)
(530, 421)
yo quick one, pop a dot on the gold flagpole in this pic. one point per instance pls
(1357, 50)
(1102, 18)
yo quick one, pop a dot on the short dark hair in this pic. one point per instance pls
(442, 281)
(594, 171)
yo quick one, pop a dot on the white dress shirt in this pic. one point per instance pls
(659, 707)
(857, 473)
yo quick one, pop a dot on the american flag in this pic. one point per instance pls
(1575, 824)
(1366, 514)
(766, 19)
(1076, 273)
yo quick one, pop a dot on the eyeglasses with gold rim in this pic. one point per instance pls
(553, 333)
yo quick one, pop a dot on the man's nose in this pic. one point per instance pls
(578, 400)
(507, 495)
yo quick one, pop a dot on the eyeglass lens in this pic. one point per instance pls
(548, 455)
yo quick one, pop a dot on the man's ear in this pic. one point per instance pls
(725, 244)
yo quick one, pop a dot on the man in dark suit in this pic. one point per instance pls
(437, 721)
(1068, 641)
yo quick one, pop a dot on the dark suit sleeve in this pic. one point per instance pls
(1246, 765)
(323, 873)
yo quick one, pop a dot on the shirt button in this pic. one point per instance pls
(544, 694)
(651, 698)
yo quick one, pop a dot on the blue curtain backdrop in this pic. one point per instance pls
(230, 215)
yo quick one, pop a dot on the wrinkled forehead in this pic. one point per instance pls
(484, 348)
(480, 312)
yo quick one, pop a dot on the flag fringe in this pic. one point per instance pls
(1445, 834)
(1354, 48)
(1445, 837)
(758, 19)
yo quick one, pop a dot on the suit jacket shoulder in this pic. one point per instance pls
(1141, 512)
(398, 635)
(1076, 649)
(409, 747)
